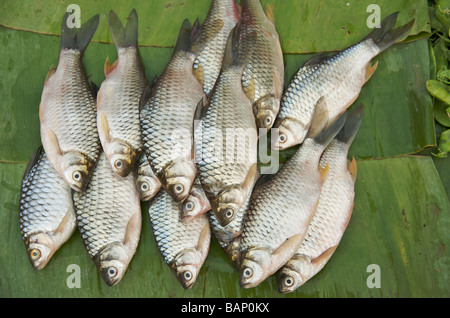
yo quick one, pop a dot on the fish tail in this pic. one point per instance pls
(352, 125)
(185, 37)
(326, 136)
(124, 36)
(386, 35)
(78, 38)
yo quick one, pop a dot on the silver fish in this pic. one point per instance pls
(119, 96)
(67, 111)
(109, 220)
(333, 212)
(183, 245)
(263, 75)
(324, 87)
(46, 213)
(209, 46)
(281, 209)
(226, 140)
(167, 120)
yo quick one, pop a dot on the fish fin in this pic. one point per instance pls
(231, 53)
(78, 39)
(320, 118)
(325, 256)
(251, 178)
(108, 68)
(386, 35)
(52, 148)
(204, 239)
(353, 169)
(199, 111)
(325, 136)
(94, 89)
(133, 227)
(124, 36)
(285, 251)
(269, 13)
(51, 71)
(324, 172)
(38, 153)
(370, 71)
(184, 40)
(68, 218)
(146, 94)
(319, 58)
(351, 126)
(103, 128)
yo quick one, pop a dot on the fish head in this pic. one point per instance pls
(122, 157)
(229, 202)
(76, 169)
(289, 280)
(186, 267)
(195, 204)
(291, 132)
(112, 263)
(254, 267)
(178, 180)
(266, 110)
(40, 250)
(147, 186)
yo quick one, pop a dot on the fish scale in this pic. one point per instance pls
(333, 211)
(46, 213)
(275, 223)
(183, 245)
(263, 75)
(109, 219)
(325, 86)
(210, 45)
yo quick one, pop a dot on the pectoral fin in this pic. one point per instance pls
(51, 146)
(285, 251)
(370, 71)
(103, 128)
(353, 169)
(133, 230)
(204, 239)
(325, 256)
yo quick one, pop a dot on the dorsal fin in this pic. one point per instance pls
(38, 153)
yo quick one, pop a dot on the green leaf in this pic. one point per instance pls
(400, 222)
(331, 24)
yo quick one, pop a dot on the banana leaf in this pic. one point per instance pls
(401, 214)
(304, 26)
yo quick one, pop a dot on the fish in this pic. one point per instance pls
(226, 139)
(184, 246)
(325, 86)
(333, 212)
(46, 212)
(229, 236)
(147, 183)
(209, 45)
(263, 75)
(167, 119)
(281, 208)
(196, 203)
(109, 220)
(67, 111)
(119, 97)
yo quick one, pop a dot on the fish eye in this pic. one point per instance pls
(248, 272)
(118, 163)
(144, 186)
(178, 188)
(282, 138)
(187, 275)
(189, 205)
(35, 254)
(229, 213)
(76, 176)
(112, 271)
(288, 281)
(268, 120)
